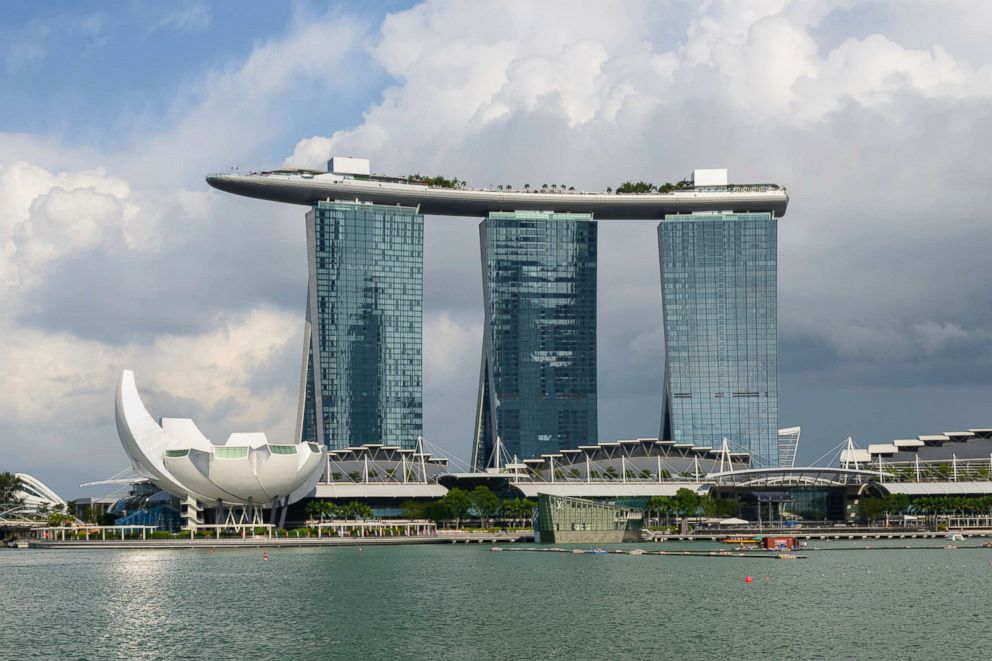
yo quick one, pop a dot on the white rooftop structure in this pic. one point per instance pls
(709, 177)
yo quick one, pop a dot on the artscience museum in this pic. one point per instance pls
(229, 483)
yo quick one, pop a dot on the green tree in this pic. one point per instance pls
(59, 519)
(726, 507)
(518, 508)
(896, 503)
(485, 502)
(411, 509)
(357, 510)
(660, 506)
(10, 484)
(458, 503)
(870, 508)
(709, 505)
(686, 502)
(314, 509)
(630, 187)
(437, 510)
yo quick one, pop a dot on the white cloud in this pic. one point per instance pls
(761, 57)
(228, 366)
(45, 374)
(451, 350)
(44, 215)
(232, 113)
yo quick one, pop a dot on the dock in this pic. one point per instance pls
(764, 555)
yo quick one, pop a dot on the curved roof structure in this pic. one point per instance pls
(789, 476)
(308, 187)
(35, 494)
(179, 459)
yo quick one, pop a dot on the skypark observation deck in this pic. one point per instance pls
(310, 186)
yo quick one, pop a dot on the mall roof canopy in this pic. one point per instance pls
(938, 488)
(606, 489)
(361, 490)
(811, 475)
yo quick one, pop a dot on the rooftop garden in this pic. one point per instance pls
(633, 188)
(437, 181)
(626, 188)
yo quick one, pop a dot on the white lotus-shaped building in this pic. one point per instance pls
(245, 470)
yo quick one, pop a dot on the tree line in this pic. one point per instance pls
(632, 187)
(459, 504)
(872, 508)
(687, 502)
(321, 509)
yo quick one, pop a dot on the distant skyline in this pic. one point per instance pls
(114, 253)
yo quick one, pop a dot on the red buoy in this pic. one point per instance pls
(749, 579)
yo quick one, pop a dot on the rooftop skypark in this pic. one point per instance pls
(351, 180)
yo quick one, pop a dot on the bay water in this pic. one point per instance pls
(465, 602)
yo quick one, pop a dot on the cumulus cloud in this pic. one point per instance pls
(763, 58)
(135, 264)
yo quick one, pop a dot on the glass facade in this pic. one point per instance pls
(719, 297)
(363, 363)
(537, 387)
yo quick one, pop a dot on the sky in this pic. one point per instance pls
(115, 254)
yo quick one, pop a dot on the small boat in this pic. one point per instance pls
(954, 537)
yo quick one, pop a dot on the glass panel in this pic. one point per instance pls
(363, 373)
(176, 453)
(231, 452)
(719, 302)
(282, 449)
(538, 382)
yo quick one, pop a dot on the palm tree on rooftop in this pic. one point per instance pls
(527, 187)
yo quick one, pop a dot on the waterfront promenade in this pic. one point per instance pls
(261, 541)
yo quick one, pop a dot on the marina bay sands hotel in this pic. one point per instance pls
(361, 380)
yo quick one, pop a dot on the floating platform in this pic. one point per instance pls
(639, 552)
